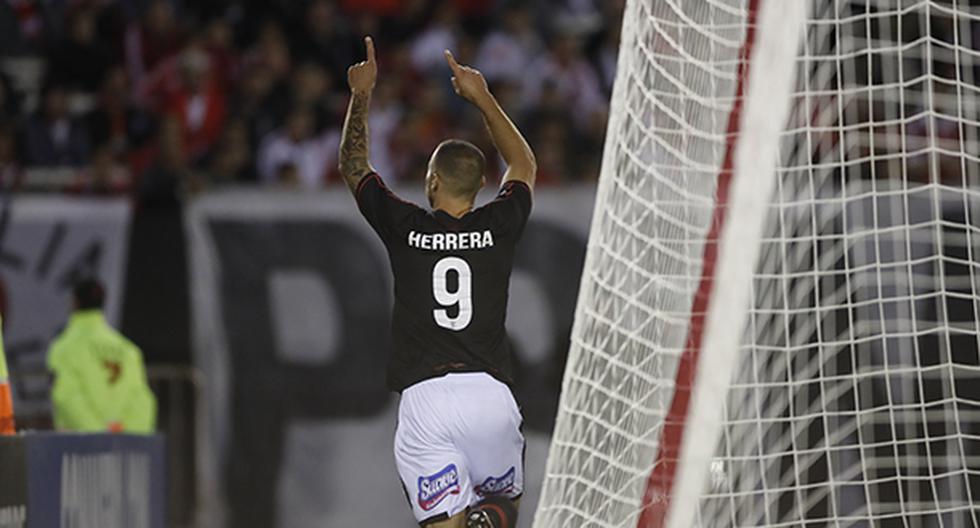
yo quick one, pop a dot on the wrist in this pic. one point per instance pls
(485, 101)
(361, 91)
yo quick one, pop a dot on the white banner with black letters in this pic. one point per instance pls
(47, 243)
(290, 297)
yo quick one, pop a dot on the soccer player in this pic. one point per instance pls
(458, 444)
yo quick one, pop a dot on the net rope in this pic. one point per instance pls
(856, 401)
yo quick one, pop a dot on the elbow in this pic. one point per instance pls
(529, 165)
(530, 159)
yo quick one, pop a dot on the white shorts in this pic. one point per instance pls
(458, 440)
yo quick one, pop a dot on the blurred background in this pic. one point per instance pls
(185, 153)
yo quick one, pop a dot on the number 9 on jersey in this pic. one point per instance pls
(462, 297)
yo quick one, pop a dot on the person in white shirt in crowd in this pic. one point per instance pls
(294, 144)
(571, 74)
(439, 34)
(506, 53)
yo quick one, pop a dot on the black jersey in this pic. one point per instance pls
(451, 279)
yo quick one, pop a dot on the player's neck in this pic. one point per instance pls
(454, 208)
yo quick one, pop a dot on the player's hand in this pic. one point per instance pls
(468, 82)
(362, 76)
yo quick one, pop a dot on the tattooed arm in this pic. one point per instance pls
(354, 162)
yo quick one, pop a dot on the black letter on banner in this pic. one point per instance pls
(266, 391)
(84, 265)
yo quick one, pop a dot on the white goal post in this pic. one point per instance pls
(778, 318)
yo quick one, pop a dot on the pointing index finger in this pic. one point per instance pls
(452, 61)
(369, 43)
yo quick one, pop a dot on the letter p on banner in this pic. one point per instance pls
(6, 399)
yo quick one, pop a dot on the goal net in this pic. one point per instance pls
(778, 319)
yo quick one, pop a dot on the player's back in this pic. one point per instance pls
(451, 277)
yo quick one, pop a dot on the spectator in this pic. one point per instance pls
(263, 93)
(227, 83)
(473, 9)
(312, 157)
(116, 122)
(256, 101)
(386, 116)
(100, 382)
(164, 182)
(577, 16)
(287, 175)
(9, 99)
(506, 53)
(324, 39)
(52, 137)
(552, 133)
(80, 59)
(199, 104)
(573, 78)
(409, 145)
(311, 91)
(409, 18)
(183, 88)
(425, 125)
(150, 40)
(232, 159)
(224, 59)
(271, 51)
(22, 26)
(439, 35)
(430, 102)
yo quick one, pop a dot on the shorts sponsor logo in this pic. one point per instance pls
(434, 488)
(497, 485)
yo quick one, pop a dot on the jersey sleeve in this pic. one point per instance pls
(512, 206)
(139, 413)
(385, 212)
(71, 399)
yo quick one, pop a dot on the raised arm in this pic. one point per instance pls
(470, 84)
(361, 77)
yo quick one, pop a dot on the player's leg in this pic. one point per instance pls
(493, 512)
(494, 448)
(431, 467)
(456, 521)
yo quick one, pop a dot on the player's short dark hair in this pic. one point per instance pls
(460, 166)
(88, 293)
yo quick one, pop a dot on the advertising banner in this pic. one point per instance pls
(290, 296)
(80, 480)
(13, 485)
(46, 243)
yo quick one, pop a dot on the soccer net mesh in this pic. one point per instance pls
(854, 393)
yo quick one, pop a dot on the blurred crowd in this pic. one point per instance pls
(166, 97)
